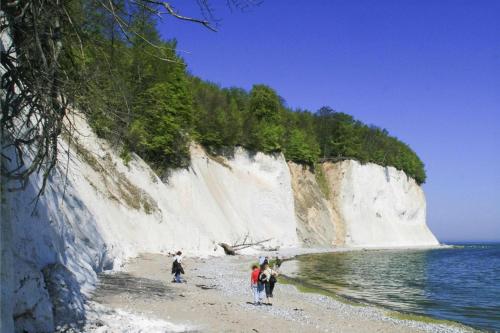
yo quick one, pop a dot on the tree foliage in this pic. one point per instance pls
(264, 120)
(159, 129)
(49, 52)
(136, 93)
(261, 122)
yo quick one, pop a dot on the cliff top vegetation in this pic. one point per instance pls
(138, 94)
(160, 108)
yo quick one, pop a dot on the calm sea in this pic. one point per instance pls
(460, 284)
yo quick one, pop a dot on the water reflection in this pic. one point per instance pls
(392, 278)
(455, 284)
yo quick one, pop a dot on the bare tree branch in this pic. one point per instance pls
(40, 77)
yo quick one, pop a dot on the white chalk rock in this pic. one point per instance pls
(378, 206)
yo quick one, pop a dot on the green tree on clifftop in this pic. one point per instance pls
(264, 116)
(161, 125)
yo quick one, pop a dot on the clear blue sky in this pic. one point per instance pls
(426, 70)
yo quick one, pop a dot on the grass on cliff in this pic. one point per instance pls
(321, 179)
(117, 185)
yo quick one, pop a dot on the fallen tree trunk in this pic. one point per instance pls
(231, 249)
(244, 246)
(228, 249)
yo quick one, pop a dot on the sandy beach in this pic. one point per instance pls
(216, 298)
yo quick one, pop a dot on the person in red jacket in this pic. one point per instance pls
(254, 281)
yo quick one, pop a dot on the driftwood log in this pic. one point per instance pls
(228, 249)
(231, 249)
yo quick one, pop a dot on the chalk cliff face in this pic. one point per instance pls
(214, 200)
(97, 212)
(362, 206)
(378, 206)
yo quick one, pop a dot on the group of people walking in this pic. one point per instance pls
(262, 281)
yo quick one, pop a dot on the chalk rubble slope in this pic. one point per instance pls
(317, 221)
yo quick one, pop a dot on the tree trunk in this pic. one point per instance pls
(228, 249)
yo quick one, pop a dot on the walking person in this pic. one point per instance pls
(277, 262)
(272, 281)
(263, 260)
(254, 284)
(268, 278)
(261, 283)
(177, 268)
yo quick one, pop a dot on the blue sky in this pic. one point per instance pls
(426, 70)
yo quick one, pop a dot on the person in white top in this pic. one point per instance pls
(177, 268)
(178, 257)
(268, 279)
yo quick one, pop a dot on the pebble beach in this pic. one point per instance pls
(217, 298)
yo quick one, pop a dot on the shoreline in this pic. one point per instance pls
(302, 286)
(297, 251)
(216, 296)
(397, 314)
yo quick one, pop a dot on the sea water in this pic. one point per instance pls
(461, 283)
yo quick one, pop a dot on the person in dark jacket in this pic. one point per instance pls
(177, 269)
(269, 280)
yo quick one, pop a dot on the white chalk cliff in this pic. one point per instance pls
(360, 206)
(100, 212)
(97, 211)
(378, 206)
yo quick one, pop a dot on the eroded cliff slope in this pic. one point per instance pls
(317, 220)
